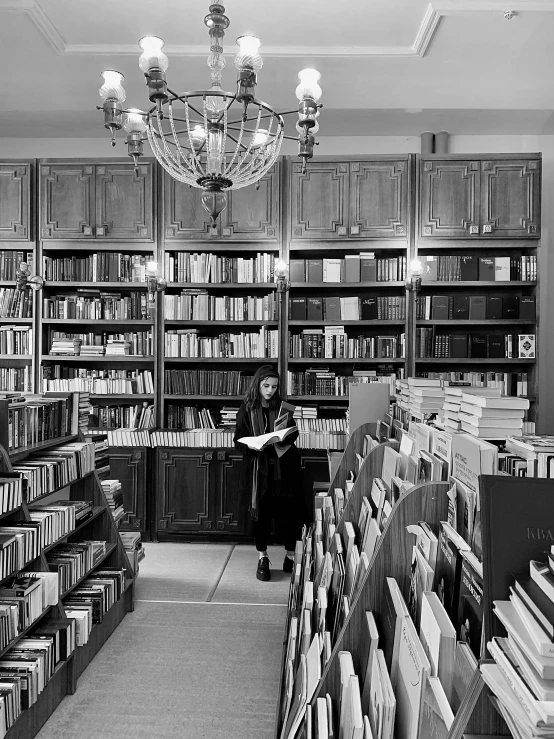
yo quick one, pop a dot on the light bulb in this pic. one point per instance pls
(312, 130)
(281, 269)
(260, 138)
(308, 87)
(135, 121)
(248, 55)
(152, 56)
(416, 267)
(112, 89)
(198, 136)
(151, 269)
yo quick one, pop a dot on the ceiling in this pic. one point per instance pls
(389, 67)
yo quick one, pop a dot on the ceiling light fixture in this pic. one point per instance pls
(211, 139)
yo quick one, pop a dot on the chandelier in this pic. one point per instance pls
(210, 139)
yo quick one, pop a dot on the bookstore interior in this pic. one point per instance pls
(396, 296)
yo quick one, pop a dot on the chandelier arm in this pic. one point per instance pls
(231, 101)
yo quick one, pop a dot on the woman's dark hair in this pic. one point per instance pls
(252, 397)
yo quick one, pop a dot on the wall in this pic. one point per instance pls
(354, 145)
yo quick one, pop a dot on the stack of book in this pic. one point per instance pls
(426, 396)
(132, 543)
(536, 451)
(522, 675)
(66, 346)
(117, 348)
(114, 495)
(492, 417)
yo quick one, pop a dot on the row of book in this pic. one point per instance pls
(510, 383)
(332, 342)
(190, 418)
(472, 268)
(96, 305)
(435, 345)
(71, 561)
(204, 267)
(196, 305)
(206, 382)
(113, 493)
(15, 379)
(476, 307)
(100, 266)
(36, 418)
(353, 308)
(15, 303)
(323, 381)
(254, 344)
(131, 343)
(97, 381)
(47, 471)
(16, 340)
(362, 267)
(139, 416)
(10, 261)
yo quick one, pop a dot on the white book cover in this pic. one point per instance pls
(502, 269)
(438, 636)
(413, 667)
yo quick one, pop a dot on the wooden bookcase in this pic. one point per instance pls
(99, 527)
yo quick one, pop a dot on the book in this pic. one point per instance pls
(486, 269)
(502, 269)
(477, 307)
(494, 307)
(368, 268)
(352, 268)
(536, 601)
(526, 346)
(460, 307)
(314, 270)
(527, 307)
(297, 270)
(440, 307)
(394, 613)
(273, 437)
(469, 622)
(297, 308)
(413, 668)
(314, 309)
(438, 636)
(436, 714)
(508, 515)
(510, 306)
(331, 309)
(382, 702)
(448, 569)
(369, 308)
(371, 638)
(469, 268)
(513, 624)
(421, 579)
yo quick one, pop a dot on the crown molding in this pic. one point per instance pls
(424, 36)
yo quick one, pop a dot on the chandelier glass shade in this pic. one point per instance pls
(211, 139)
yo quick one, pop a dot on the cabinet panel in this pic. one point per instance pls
(253, 213)
(67, 201)
(124, 202)
(378, 199)
(184, 491)
(15, 194)
(128, 465)
(230, 509)
(449, 199)
(510, 198)
(184, 214)
(319, 201)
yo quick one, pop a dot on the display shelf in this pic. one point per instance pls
(109, 551)
(18, 454)
(16, 320)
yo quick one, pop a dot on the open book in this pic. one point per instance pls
(273, 437)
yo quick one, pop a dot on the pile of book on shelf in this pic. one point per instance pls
(91, 304)
(92, 598)
(243, 345)
(521, 676)
(183, 266)
(124, 437)
(96, 381)
(33, 418)
(529, 455)
(132, 543)
(102, 266)
(206, 382)
(103, 418)
(16, 340)
(114, 495)
(15, 379)
(72, 561)
(101, 454)
(15, 303)
(199, 305)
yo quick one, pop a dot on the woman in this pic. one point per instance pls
(272, 477)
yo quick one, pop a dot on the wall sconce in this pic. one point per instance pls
(415, 271)
(281, 272)
(25, 281)
(154, 283)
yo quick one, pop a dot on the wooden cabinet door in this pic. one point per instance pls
(319, 201)
(511, 198)
(184, 491)
(15, 196)
(379, 200)
(184, 215)
(129, 466)
(124, 202)
(67, 197)
(449, 199)
(231, 515)
(254, 213)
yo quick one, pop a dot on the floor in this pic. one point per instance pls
(199, 657)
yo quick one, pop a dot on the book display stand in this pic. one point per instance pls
(428, 502)
(98, 527)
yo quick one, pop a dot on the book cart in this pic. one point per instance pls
(99, 526)
(392, 557)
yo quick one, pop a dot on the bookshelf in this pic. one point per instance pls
(99, 526)
(478, 236)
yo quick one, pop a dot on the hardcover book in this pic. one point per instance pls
(478, 346)
(332, 309)
(469, 268)
(496, 346)
(393, 615)
(368, 269)
(436, 714)
(459, 346)
(510, 306)
(438, 637)
(494, 307)
(477, 307)
(486, 269)
(469, 624)
(516, 511)
(413, 668)
(314, 309)
(369, 309)
(527, 308)
(352, 268)
(526, 346)
(448, 569)
(439, 307)
(460, 307)
(430, 268)
(502, 269)
(297, 270)
(314, 270)
(297, 309)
